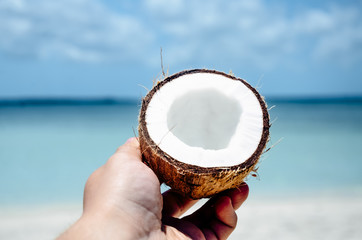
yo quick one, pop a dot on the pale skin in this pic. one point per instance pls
(122, 200)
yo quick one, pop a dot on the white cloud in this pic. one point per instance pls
(256, 31)
(164, 8)
(343, 40)
(76, 29)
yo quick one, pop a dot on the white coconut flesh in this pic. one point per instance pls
(205, 119)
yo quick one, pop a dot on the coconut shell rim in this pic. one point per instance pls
(251, 161)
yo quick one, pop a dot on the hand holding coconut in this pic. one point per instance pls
(201, 132)
(122, 200)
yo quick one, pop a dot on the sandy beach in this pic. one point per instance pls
(313, 218)
(308, 218)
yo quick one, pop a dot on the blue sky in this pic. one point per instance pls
(111, 48)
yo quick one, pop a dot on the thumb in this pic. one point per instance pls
(132, 142)
(130, 148)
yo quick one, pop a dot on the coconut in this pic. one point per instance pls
(202, 131)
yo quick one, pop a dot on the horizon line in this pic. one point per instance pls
(133, 100)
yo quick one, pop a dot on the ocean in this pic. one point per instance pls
(308, 186)
(48, 150)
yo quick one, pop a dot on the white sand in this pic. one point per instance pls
(46, 222)
(322, 218)
(317, 218)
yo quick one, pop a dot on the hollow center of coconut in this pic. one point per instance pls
(205, 119)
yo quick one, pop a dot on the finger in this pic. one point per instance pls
(129, 151)
(209, 234)
(238, 195)
(225, 222)
(131, 148)
(175, 228)
(218, 214)
(130, 144)
(217, 218)
(174, 204)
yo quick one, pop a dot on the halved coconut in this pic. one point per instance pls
(202, 131)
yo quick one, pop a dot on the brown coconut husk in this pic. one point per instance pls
(191, 180)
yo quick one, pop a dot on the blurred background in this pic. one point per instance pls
(72, 74)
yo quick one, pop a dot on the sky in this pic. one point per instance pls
(111, 48)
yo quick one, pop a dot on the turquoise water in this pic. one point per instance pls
(47, 151)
